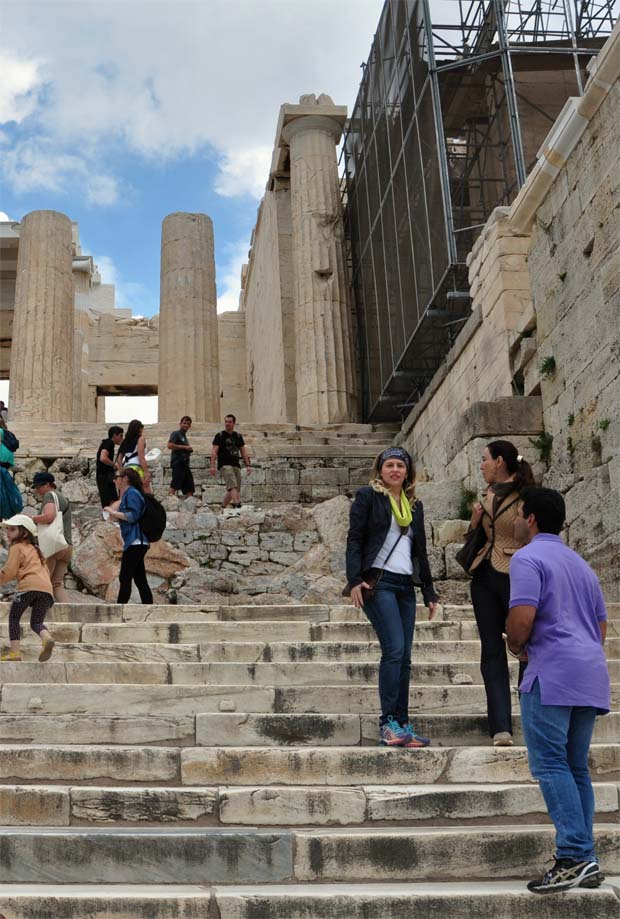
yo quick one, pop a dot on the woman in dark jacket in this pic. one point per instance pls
(386, 540)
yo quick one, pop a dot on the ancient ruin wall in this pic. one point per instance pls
(233, 379)
(575, 273)
(268, 304)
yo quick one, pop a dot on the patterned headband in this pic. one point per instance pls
(395, 453)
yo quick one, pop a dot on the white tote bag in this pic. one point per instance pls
(52, 535)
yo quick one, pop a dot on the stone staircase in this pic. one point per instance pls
(221, 762)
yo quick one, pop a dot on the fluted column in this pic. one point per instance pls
(41, 371)
(189, 373)
(326, 381)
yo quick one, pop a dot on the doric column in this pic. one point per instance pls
(42, 351)
(189, 374)
(326, 379)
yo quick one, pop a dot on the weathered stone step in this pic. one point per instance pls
(483, 900)
(225, 856)
(266, 630)
(260, 730)
(131, 699)
(84, 672)
(274, 651)
(239, 730)
(321, 766)
(456, 900)
(371, 765)
(283, 805)
(142, 652)
(138, 730)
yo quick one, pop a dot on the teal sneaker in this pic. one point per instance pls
(391, 734)
(416, 740)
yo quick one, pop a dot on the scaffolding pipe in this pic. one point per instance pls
(511, 97)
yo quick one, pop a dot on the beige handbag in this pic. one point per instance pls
(52, 535)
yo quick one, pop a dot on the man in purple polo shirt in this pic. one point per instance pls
(557, 617)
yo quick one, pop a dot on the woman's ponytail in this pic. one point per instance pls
(515, 464)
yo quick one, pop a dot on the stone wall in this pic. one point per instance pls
(575, 274)
(123, 353)
(268, 307)
(233, 377)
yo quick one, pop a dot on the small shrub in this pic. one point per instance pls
(547, 368)
(604, 424)
(544, 445)
(571, 420)
(466, 503)
(562, 276)
(570, 446)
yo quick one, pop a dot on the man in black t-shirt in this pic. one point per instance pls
(228, 448)
(182, 478)
(105, 466)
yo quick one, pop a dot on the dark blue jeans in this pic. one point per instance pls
(392, 615)
(558, 740)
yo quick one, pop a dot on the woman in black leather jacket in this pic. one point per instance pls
(386, 541)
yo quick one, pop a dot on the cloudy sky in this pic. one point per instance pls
(118, 112)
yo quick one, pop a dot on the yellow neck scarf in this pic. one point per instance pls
(403, 514)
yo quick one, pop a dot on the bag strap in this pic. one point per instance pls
(381, 570)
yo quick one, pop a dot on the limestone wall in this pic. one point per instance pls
(233, 378)
(123, 353)
(575, 273)
(268, 306)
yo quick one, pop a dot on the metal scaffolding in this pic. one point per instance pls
(455, 100)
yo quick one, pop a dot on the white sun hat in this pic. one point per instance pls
(21, 520)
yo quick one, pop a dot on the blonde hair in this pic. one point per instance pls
(377, 483)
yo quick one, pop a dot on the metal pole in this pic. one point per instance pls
(511, 96)
(444, 173)
(573, 37)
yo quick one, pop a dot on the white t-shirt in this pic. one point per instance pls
(400, 561)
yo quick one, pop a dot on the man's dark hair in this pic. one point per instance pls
(230, 416)
(547, 506)
(115, 429)
(185, 418)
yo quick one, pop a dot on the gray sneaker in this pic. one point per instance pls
(567, 873)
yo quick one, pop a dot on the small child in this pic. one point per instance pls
(34, 587)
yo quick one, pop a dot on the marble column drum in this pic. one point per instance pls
(189, 376)
(42, 350)
(326, 382)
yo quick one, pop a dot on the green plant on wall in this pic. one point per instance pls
(544, 445)
(597, 449)
(570, 446)
(604, 424)
(571, 419)
(466, 502)
(547, 368)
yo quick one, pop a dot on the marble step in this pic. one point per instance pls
(267, 630)
(371, 765)
(284, 805)
(454, 900)
(240, 730)
(228, 856)
(279, 674)
(320, 766)
(184, 699)
(306, 651)
(257, 730)
(112, 652)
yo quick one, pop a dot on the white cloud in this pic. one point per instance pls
(17, 88)
(206, 76)
(229, 283)
(244, 172)
(37, 164)
(4, 216)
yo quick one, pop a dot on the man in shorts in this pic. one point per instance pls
(182, 478)
(228, 449)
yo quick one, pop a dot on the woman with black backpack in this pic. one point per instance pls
(135, 542)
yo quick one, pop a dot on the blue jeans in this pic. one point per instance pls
(558, 740)
(392, 615)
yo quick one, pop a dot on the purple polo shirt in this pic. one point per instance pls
(564, 649)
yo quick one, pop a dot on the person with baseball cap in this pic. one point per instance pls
(26, 565)
(386, 558)
(53, 503)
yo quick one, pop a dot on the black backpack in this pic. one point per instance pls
(10, 441)
(153, 520)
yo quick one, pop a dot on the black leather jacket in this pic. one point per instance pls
(369, 523)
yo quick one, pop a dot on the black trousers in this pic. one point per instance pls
(107, 490)
(132, 569)
(490, 595)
